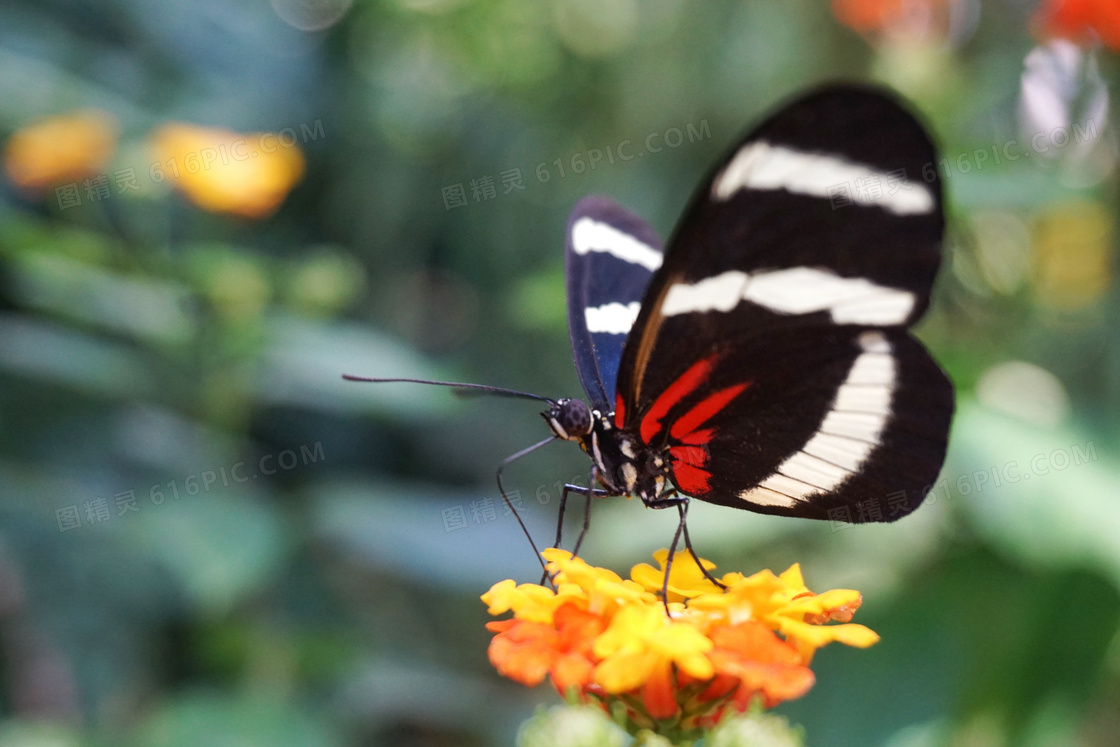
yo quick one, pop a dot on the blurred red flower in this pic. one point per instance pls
(909, 18)
(1081, 20)
(867, 15)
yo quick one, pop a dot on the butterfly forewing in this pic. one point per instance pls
(790, 283)
(611, 255)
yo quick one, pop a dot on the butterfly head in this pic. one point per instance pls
(569, 419)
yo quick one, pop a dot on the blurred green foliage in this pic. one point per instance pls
(276, 559)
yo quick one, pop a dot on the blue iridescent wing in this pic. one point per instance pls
(610, 256)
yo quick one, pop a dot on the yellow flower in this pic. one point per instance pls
(606, 591)
(641, 643)
(785, 605)
(686, 579)
(599, 636)
(59, 149)
(529, 601)
(223, 171)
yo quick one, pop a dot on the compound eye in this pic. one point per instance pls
(574, 417)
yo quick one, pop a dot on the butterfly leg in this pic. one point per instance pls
(681, 502)
(682, 505)
(695, 557)
(590, 493)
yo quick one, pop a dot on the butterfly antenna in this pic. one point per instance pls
(462, 389)
(509, 504)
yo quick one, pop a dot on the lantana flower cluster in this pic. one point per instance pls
(601, 638)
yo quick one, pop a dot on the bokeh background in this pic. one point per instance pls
(211, 210)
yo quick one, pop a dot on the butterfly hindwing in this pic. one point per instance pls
(790, 282)
(741, 436)
(610, 256)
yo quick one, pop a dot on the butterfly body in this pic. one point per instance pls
(623, 465)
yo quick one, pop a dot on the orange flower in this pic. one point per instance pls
(602, 637)
(527, 651)
(226, 172)
(1081, 20)
(762, 662)
(58, 149)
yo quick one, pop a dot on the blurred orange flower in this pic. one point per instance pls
(907, 18)
(59, 149)
(867, 15)
(223, 171)
(1082, 20)
(599, 636)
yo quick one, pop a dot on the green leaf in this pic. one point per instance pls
(304, 361)
(213, 719)
(1046, 495)
(218, 546)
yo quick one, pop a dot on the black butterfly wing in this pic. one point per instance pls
(610, 257)
(794, 273)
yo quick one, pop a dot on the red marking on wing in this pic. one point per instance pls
(690, 459)
(698, 438)
(696, 375)
(704, 411)
(692, 481)
(688, 469)
(619, 411)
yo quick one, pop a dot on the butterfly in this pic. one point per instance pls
(761, 360)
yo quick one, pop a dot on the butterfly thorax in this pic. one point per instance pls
(625, 465)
